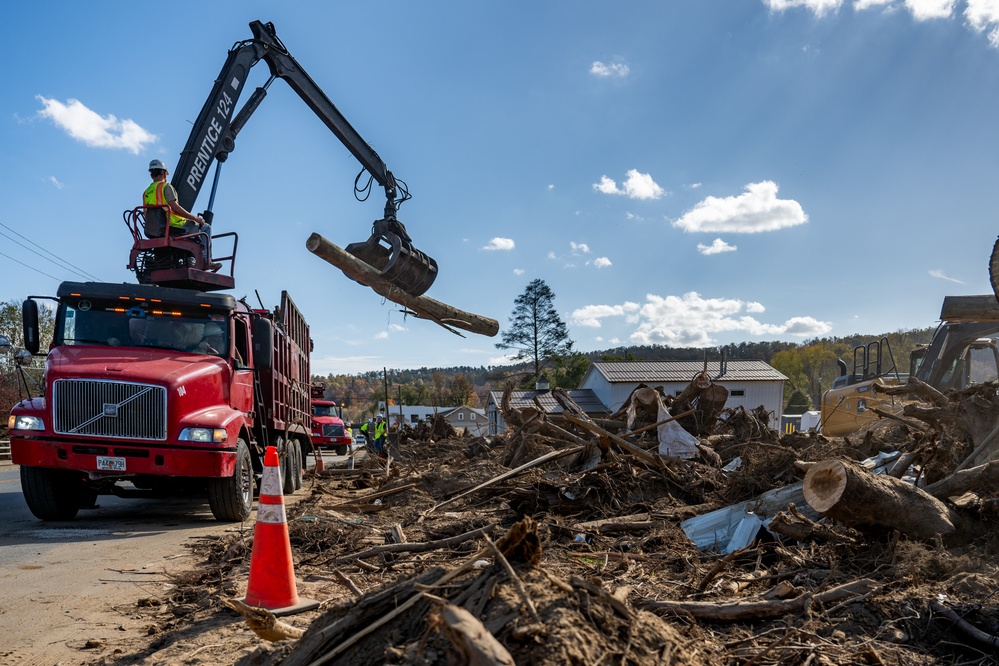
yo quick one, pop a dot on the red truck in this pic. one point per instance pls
(329, 430)
(166, 386)
(170, 390)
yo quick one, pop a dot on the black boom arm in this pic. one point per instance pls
(215, 130)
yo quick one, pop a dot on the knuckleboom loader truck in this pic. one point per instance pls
(171, 390)
(170, 385)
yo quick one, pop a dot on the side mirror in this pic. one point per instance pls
(263, 343)
(29, 324)
(22, 357)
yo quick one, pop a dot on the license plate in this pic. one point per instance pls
(110, 464)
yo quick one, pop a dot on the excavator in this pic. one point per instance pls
(180, 261)
(963, 351)
(959, 354)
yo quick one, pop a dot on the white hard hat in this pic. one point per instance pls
(157, 164)
(379, 416)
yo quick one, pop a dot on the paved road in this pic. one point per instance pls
(60, 581)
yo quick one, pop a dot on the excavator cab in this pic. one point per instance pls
(389, 250)
(169, 260)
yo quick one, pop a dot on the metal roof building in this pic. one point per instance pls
(750, 383)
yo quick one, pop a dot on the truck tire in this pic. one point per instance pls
(231, 497)
(51, 494)
(287, 466)
(296, 449)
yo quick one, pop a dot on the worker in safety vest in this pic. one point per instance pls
(182, 222)
(380, 430)
(364, 432)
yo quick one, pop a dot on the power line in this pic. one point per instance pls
(66, 265)
(31, 267)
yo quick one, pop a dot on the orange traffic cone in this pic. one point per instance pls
(272, 574)
(320, 465)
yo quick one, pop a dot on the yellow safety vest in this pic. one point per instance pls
(380, 429)
(153, 196)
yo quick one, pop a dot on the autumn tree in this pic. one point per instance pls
(10, 328)
(537, 332)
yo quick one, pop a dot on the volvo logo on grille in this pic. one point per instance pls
(110, 409)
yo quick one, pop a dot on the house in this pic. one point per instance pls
(749, 383)
(412, 414)
(471, 419)
(585, 398)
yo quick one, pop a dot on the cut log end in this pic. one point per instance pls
(824, 485)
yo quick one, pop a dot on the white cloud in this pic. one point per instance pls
(756, 210)
(381, 335)
(95, 130)
(616, 70)
(397, 328)
(579, 248)
(602, 262)
(499, 244)
(637, 186)
(924, 10)
(518, 271)
(551, 187)
(55, 181)
(716, 247)
(820, 7)
(591, 315)
(690, 321)
(980, 15)
(325, 365)
(552, 255)
(983, 15)
(693, 321)
(861, 5)
(939, 274)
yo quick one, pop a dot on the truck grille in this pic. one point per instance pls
(98, 408)
(332, 430)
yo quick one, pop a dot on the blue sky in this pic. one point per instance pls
(688, 173)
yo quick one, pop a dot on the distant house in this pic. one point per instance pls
(471, 419)
(749, 383)
(585, 398)
(412, 414)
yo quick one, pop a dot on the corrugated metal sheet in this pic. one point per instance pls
(585, 398)
(651, 372)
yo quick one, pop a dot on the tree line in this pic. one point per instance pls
(539, 344)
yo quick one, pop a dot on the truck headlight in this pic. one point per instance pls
(204, 435)
(21, 422)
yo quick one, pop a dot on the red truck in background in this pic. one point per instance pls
(329, 430)
(172, 390)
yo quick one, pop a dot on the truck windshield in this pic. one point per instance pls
(87, 322)
(323, 410)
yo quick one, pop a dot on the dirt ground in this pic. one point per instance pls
(396, 552)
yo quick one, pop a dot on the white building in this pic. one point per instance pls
(471, 419)
(749, 383)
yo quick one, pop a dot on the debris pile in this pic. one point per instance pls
(573, 539)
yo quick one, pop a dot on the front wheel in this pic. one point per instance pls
(231, 497)
(52, 494)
